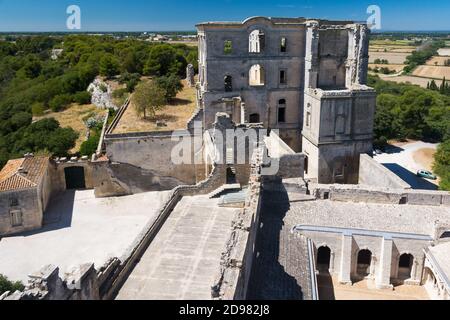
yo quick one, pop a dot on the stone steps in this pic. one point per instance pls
(224, 188)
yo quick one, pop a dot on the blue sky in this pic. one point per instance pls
(149, 15)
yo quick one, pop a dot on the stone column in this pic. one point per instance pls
(373, 262)
(190, 75)
(332, 256)
(383, 278)
(312, 55)
(346, 260)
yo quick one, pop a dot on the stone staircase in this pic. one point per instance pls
(225, 188)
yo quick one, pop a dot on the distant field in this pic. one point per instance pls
(411, 79)
(437, 61)
(391, 42)
(401, 49)
(444, 52)
(395, 67)
(392, 57)
(73, 117)
(436, 72)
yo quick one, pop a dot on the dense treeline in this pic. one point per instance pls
(408, 111)
(422, 54)
(32, 82)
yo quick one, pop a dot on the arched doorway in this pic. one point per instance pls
(405, 264)
(363, 264)
(323, 259)
(75, 178)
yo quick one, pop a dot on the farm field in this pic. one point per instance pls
(435, 72)
(440, 61)
(391, 57)
(444, 52)
(395, 67)
(411, 79)
(74, 117)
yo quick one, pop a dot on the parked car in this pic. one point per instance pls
(378, 151)
(426, 174)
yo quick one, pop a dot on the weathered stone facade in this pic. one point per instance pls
(304, 77)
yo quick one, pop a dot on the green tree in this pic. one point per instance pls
(170, 84)
(149, 98)
(89, 147)
(109, 66)
(6, 285)
(442, 164)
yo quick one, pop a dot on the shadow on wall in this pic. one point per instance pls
(412, 179)
(326, 287)
(58, 215)
(270, 280)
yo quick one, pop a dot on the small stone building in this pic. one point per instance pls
(25, 189)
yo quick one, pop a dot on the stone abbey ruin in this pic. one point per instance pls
(293, 91)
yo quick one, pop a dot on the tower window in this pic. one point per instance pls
(13, 202)
(282, 111)
(283, 79)
(256, 75)
(228, 82)
(283, 45)
(256, 41)
(228, 47)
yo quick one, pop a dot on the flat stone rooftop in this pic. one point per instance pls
(441, 253)
(79, 229)
(281, 267)
(377, 217)
(183, 260)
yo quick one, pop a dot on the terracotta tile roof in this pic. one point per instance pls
(23, 173)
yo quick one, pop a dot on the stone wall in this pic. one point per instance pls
(372, 173)
(81, 283)
(233, 279)
(150, 154)
(360, 193)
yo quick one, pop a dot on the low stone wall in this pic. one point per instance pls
(85, 283)
(81, 283)
(114, 273)
(372, 173)
(233, 279)
(359, 193)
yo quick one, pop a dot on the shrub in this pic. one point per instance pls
(89, 147)
(38, 109)
(82, 97)
(6, 285)
(59, 102)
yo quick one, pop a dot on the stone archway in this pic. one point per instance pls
(364, 261)
(323, 259)
(405, 266)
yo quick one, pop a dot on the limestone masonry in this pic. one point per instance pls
(306, 201)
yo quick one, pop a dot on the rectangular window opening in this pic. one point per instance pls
(283, 79)
(283, 45)
(228, 47)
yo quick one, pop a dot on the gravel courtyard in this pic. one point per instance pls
(79, 229)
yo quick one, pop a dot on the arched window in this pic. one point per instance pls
(282, 110)
(256, 41)
(283, 45)
(445, 235)
(228, 82)
(364, 262)
(254, 118)
(256, 75)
